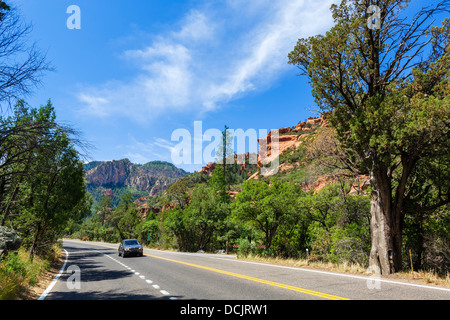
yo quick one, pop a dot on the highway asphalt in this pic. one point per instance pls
(94, 271)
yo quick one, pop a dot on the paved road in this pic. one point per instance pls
(94, 271)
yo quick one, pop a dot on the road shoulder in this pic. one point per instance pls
(45, 279)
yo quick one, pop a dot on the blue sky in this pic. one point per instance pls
(138, 70)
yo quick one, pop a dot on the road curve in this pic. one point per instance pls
(94, 271)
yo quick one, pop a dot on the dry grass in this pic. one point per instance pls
(23, 279)
(33, 292)
(425, 277)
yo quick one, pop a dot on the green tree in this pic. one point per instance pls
(24, 135)
(225, 158)
(205, 216)
(338, 223)
(380, 97)
(178, 193)
(52, 192)
(174, 223)
(103, 208)
(266, 207)
(127, 217)
(219, 184)
(150, 231)
(201, 225)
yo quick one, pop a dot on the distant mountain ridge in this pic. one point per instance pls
(115, 177)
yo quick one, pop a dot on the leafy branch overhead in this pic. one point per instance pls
(388, 105)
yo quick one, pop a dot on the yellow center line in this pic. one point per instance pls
(276, 284)
(241, 276)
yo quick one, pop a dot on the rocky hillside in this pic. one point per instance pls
(113, 178)
(289, 138)
(305, 152)
(296, 164)
(307, 156)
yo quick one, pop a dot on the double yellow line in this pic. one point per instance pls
(241, 276)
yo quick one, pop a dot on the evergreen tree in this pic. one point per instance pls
(390, 107)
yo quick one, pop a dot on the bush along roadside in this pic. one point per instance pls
(19, 273)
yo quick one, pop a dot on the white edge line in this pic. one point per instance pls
(50, 287)
(342, 275)
(230, 258)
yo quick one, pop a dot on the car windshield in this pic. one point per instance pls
(131, 242)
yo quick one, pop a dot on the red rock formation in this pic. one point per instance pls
(284, 130)
(208, 169)
(233, 194)
(108, 193)
(168, 207)
(287, 139)
(143, 211)
(359, 185)
(159, 186)
(141, 201)
(301, 126)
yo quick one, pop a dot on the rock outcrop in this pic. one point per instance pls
(120, 173)
(158, 187)
(9, 240)
(113, 178)
(243, 160)
(288, 138)
(108, 193)
(208, 169)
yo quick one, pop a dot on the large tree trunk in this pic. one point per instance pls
(385, 227)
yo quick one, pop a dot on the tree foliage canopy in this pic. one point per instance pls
(41, 176)
(389, 107)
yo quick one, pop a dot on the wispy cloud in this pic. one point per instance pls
(144, 151)
(214, 56)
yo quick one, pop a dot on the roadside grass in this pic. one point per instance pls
(19, 274)
(426, 277)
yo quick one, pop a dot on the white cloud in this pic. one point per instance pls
(214, 56)
(97, 104)
(142, 152)
(196, 27)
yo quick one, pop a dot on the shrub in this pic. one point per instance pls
(245, 248)
(320, 242)
(18, 271)
(12, 276)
